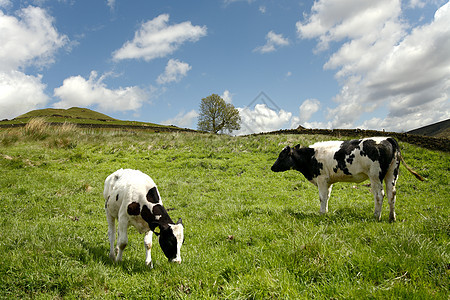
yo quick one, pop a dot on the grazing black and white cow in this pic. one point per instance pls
(325, 163)
(133, 198)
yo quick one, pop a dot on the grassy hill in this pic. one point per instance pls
(249, 233)
(439, 129)
(71, 113)
(79, 116)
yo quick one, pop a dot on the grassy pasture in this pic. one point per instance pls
(250, 233)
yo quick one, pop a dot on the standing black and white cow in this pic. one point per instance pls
(132, 198)
(325, 163)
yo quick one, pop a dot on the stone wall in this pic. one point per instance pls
(427, 142)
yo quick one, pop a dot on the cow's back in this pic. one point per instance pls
(123, 187)
(355, 160)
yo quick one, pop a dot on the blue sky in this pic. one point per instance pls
(320, 64)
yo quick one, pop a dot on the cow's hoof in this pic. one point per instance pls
(377, 216)
(392, 219)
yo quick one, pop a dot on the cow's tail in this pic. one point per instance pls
(411, 170)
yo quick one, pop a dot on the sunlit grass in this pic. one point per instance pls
(250, 233)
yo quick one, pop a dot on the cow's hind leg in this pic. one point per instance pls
(111, 236)
(378, 194)
(390, 181)
(122, 238)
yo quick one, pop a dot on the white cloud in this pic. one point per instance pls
(273, 41)
(185, 120)
(157, 39)
(111, 4)
(227, 2)
(32, 24)
(308, 108)
(416, 3)
(20, 93)
(5, 3)
(381, 62)
(77, 91)
(336, 20)
(262, 119)
(175, 70)
(227, 96)
(27, 39)
(262, 9)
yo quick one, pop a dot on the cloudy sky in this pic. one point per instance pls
(381, 64)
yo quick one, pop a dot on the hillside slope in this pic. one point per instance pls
(439, 129)
(71, 113)
(84, 117)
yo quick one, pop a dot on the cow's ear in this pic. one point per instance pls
(297, 147)
(180, 221)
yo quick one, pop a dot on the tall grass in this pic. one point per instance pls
(250, 233)
(63, 135)
(37, 129)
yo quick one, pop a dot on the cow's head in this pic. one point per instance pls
(171, 237)
(285, 160)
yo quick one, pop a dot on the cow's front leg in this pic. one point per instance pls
(324, 194)
(148, 248)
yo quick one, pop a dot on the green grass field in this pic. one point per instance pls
(249, 233)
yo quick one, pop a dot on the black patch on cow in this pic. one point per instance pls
(167, 239)
(315, 168)
(152, 195)
(159, 210)
(133, 209)
(396, 153)
(384, 153)
(285, 160)
(344, 155)
(396, 171)
(150, 217)
(350, 158)
(168, 242)
(306, 163)
(117, 197)
(395, 146)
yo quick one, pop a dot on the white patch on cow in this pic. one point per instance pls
(178, 231)
(327, 145)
